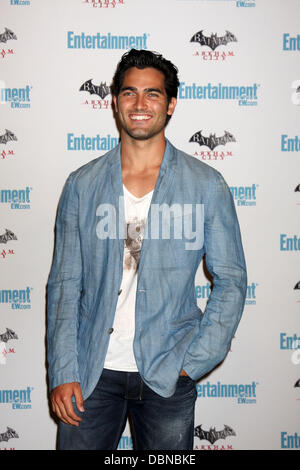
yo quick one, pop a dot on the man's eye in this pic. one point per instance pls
(153, 95)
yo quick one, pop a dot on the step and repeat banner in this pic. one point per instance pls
(238, 110)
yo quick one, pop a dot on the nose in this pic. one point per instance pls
(140, 102)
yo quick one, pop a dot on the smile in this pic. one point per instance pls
(140, 117)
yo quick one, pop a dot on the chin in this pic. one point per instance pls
(146, 135)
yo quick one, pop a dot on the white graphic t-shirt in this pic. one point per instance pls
(120, 354)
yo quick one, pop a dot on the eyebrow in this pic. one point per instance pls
(147, 90)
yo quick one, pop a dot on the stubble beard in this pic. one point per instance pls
(141, 134)
(145, 135)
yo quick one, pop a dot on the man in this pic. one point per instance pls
(125, 334)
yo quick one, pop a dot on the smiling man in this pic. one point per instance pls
(125, 334)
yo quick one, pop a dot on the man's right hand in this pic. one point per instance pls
(61, 399)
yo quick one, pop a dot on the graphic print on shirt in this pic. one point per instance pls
(133, 243)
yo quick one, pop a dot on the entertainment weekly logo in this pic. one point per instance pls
(291, 343)
(98, 142)
(290, 144)
(179, 222)
(244, 95)
(243, 394)
(289, 441)
(18, 98)
(16, 199)
(106, 41)
(16, 299)
(24, 3)
(290, 43)
(289, 242)
(19, 399)
(244, 196)
(216, 47)
(237, 3)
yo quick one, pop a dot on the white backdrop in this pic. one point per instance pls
(255, 391)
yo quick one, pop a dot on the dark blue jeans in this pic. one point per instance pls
(157, 423)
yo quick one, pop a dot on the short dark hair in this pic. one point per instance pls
(142, 59)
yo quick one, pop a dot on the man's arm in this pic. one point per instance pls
(64, 291)
(225, 262)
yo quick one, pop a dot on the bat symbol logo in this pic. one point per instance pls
(7, 137)
(8, 235)
(9, 334)
(213, 41)
(101, 90)
(9, 434)
(212, 141)
(8, 34)
(212, 435)
(297, 286)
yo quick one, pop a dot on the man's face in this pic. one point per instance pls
(142, 104)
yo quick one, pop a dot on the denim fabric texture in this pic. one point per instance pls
(172, 333)
(157, 423)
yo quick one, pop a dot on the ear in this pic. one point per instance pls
(115, 101)
(172, 106)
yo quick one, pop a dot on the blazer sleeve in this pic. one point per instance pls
(226, 263)
(64, 291)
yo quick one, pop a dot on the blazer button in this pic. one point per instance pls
(110, 331)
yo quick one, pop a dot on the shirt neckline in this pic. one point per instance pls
(137, 198)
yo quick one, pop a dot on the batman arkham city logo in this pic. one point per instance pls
(212, 435)
(212, 141)
(7, 35)
(8, 434)
(4, 349)
(9, 334)
(101, 90)
(7, 137)
(213, 41)
(7, 236)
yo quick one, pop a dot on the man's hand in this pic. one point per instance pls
(61, 399)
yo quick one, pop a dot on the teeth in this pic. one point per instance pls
(140, 118)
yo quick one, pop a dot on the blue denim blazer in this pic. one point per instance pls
(172, 333)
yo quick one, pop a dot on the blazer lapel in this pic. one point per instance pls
(163, 184)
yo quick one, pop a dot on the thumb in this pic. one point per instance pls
(78, 397)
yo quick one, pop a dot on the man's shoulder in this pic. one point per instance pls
(195, 168)
(86, 174)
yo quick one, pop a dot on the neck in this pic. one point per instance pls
(140, 155)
